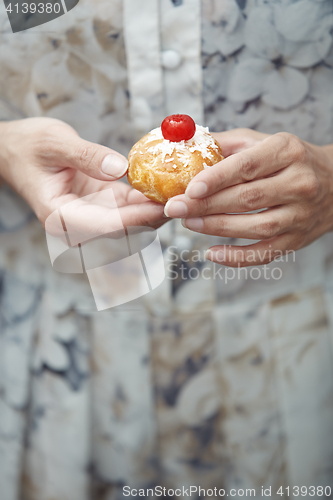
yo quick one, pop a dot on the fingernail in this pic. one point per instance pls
(114, 165)
(195, 224)
(196, 190)
(218, 256)
(175, 208)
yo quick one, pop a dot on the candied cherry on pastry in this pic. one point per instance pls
(177, 128)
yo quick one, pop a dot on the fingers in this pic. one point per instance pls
(92, 159)
(143, 214)
(238, 139)
(265, 158)
(255, 195)
(261, 226)
(98, 215)
(260, 253)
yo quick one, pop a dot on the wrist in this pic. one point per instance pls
(328, 152)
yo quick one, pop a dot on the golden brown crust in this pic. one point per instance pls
(160, 177)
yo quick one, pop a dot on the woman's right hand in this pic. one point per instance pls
(46, 162)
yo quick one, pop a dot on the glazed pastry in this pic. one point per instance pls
(163, 162)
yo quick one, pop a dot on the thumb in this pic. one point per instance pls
(94, 160)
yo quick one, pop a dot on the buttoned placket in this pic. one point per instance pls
(163, 46)
(143, 52)
(181, 54)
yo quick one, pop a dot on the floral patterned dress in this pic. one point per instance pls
(218, 382)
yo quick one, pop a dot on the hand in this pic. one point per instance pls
(49, 165)
(289, 178)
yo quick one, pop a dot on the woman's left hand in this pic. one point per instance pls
(290, 178)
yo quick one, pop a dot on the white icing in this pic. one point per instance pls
(201, 141)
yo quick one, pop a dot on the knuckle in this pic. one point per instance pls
(267, 229)
(302, 224)
(294, 145)
(304, 219)
(299, 151)
(297, 146)
(308, 186)
(240, 257)
(222, 226)
(87, 156)
(283, 138)
(250, 198)
(248, 168)
(205, 205)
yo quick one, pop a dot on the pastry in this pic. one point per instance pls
(163, 162)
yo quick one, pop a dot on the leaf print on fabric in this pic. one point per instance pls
(217, 83)
(321, 82)
(307, 54)
(303, 21)
(276, 81)
(249, 116)
(329, 58)
(261, 37)
(281, 41)
(264, 40)
(50, 353)
(223, 25)
(285, 88)
(225, 13)
(321, 104)
(51, 81)
(14, 213)
(241, 4)
(248, 78)
(199, 399)
(229, 43)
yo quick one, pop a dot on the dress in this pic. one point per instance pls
(224, 382)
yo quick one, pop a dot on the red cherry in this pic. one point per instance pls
(178, 128)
